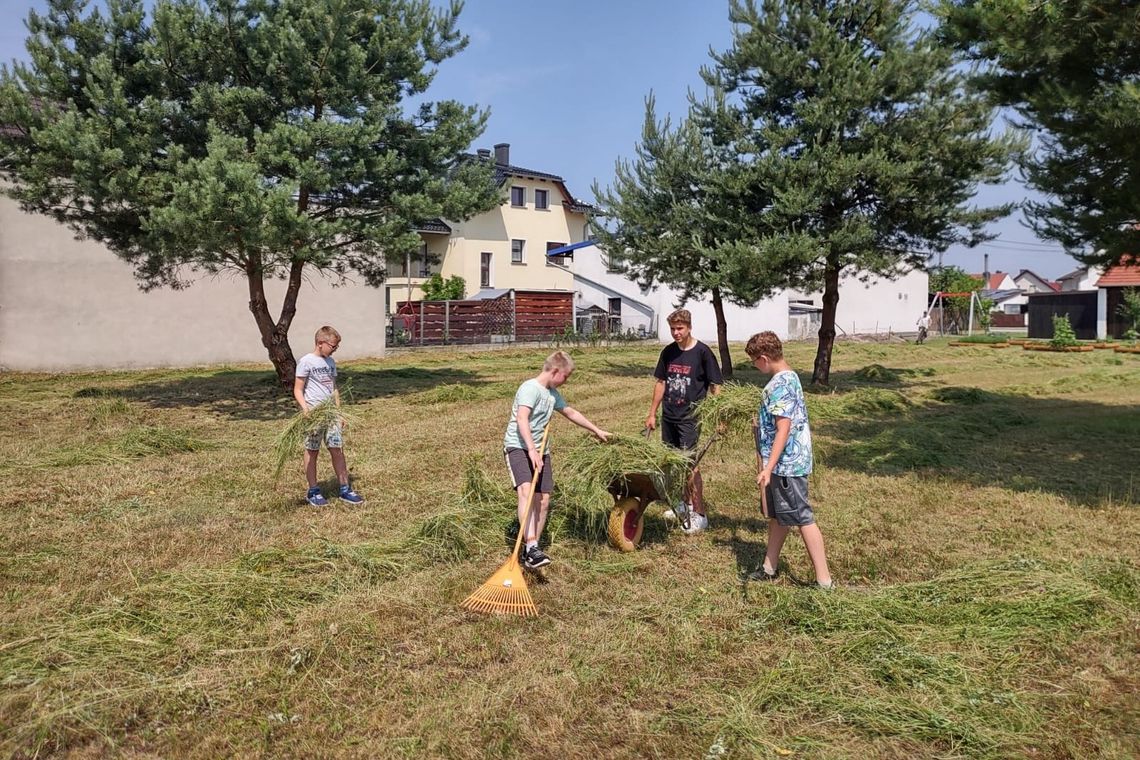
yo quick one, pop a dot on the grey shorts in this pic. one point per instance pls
(680, 434)
(788, 501)
(330, 435)
(521, 470)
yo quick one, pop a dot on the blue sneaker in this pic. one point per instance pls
(352, 497)
(315, 498)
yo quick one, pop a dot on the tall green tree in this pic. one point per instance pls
(263, 137)
(673, 215)
(1070, 69)
(869, 140)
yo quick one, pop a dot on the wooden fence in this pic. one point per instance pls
(518, 315)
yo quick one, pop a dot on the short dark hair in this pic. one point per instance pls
(765, 343)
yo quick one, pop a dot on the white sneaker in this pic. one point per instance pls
(697, 523)
(676, 513)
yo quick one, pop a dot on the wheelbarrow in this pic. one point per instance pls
(633, 493)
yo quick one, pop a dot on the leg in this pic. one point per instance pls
(695, 492)
(311, 467)
(776, 535)
(813, 540)
(526, 529)
(340, 466)
(538, 516)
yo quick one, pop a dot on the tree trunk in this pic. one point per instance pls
(821, 374)
(275, 335)
(722, 335)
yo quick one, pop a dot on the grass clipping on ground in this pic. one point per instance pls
(318, 419)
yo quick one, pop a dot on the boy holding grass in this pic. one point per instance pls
(316, 383)
(535, 403)
(784, 460)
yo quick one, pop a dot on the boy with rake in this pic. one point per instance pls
(315, 383)
(784, 460)
(535, 403)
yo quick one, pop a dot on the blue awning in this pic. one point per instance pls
(568, 248)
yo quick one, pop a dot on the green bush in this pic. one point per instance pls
(1063, 334)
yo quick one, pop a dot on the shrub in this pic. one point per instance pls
(1063, 334)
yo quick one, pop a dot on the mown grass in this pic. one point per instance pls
(164, 595)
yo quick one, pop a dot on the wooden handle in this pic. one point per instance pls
(533, 483)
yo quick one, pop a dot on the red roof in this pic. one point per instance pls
(1124, 274)
(995, 280)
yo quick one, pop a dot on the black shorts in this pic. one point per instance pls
(680, 434)
(787, 498)
(518, 463)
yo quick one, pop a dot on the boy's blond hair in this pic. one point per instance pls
(558, 360)
(766, 343)
(680, 317)
(326, 334)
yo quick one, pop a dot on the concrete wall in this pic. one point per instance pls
(595, 285)
(67, 304)
(878, 305)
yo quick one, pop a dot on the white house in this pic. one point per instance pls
(1029, 281)
(1084, 278)
(875, 305)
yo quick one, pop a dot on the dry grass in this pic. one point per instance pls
(164, 596)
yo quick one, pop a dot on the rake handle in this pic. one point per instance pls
(533, 483)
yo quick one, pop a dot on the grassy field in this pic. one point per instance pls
(164, 595)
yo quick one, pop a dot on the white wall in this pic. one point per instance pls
(878, 305)
(593, 284)
(68, 304)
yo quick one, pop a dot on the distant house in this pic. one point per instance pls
(1010, 303)
(501, 249)
(1084, 278)
(1110, 296)
(1031, 282)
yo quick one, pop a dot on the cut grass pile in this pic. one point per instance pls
(318, 419)
(730, 412)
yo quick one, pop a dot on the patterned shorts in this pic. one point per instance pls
(331, 436)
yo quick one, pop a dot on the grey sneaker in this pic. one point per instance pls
(760, 574)
(535, 558)
(677, 513)
(697, 523)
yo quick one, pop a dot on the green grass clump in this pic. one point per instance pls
(318, 419)
(731, 410)
(589, 468)
(861, 402)
(984, 338)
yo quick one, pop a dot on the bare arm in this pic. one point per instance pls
(658, 394)
(299, 393)
(581, 421)
(527, 439)
(783, 429)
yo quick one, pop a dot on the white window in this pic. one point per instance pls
(485, 270)
(540, 199)
(562, 261)
(517, 247)
(1012, 308)
(518, 196)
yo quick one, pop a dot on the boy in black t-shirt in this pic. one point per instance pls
(686, 371)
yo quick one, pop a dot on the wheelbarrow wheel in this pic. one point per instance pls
(627, 521)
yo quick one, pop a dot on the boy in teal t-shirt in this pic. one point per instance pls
(535, 403)
(784, 459)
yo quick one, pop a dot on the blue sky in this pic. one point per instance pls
(566, 85)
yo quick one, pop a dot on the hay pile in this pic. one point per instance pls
(292, 438)
(588, 468)
(732, 410)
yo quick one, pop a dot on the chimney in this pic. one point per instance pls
(503, 154)
(986, 270)
(484, 152)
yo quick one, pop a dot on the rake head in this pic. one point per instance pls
(504, 592)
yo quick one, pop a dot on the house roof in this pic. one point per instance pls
(1048, 283)
(1073, 275)
(997, 296)
(434, 226)
(1124, 274)
(995, 280)
(505, 171)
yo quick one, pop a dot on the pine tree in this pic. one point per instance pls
(263, 137)
(672, 215)
(1071, 71)
(868, 139)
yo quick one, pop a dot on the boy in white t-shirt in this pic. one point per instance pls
(315, 383)
(535, 403)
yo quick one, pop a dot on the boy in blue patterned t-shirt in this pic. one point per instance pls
(783, 460)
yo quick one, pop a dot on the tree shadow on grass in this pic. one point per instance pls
(1085, 452)
(255, 395)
